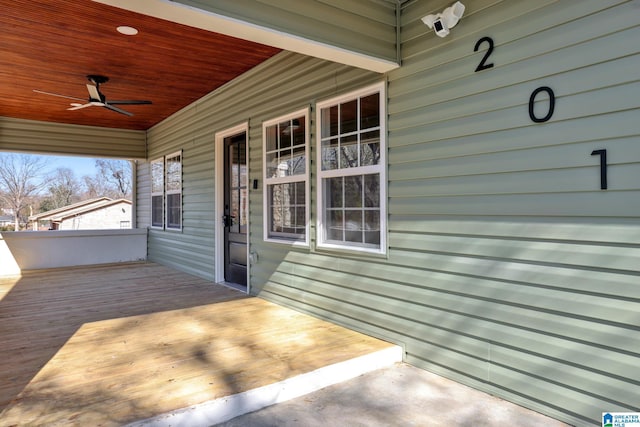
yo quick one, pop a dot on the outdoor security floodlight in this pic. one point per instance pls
(443, 22)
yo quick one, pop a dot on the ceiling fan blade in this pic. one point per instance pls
(75, 106)
(117, 110)
(129, 102)
(58, 95)
(93, 92)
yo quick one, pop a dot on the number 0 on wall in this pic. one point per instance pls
(552, 104)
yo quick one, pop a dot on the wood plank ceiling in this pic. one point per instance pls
(52, 45)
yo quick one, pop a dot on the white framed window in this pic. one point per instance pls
(173, 191)
(157, 193)
(352, 171)
(286, 178)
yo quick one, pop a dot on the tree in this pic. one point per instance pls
(115, 176)
(94, 187)
(19, 182)
(64, 189)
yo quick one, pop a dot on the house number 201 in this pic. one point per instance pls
(536, 117)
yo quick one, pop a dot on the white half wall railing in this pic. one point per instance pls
(25, 250)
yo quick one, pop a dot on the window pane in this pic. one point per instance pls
(285, 134)
(290, 220)
(352, 209)
(330, 154)
(277, 198)
(372, 191)
(334, 192)
(156, 211)
(157, 177)
(272, 165)
(349, 117)
(297, 164)
(353, 191)
(370, 111)
(298, 131)
(353, 226)
(173, 210)
(301, 219)
(286, 216)
(300, 194)
(372, 227)
(370, 148)
(272, 138)
(335, 225)
(329, 121)
(276, 217)
(174, 174)
(349, 152)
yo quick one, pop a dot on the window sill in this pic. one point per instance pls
(351, 250)
(296, 243)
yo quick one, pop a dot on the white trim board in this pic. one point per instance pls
(219, 200)
(198, 18)
(226, 408)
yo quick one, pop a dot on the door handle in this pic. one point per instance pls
(227, 220)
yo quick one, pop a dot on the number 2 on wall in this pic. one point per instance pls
(483, 63)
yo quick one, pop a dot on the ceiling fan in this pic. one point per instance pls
(97, 98)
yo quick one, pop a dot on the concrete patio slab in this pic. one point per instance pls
(401, 395)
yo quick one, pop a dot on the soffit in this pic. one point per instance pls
(51, 45)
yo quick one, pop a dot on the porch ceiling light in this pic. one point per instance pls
(127, 31)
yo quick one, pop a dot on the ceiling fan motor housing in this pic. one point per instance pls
(97, 79)
(97, 98)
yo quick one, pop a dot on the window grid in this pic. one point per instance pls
(157, 193)
(286, 195)
(351, 208)
(173, 168)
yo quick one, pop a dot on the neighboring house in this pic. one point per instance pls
(455, 203)
(6, 220)
(94, 214)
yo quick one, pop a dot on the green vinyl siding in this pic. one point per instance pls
(35, 137)
(508, 268)
(517, 273)
(281, 85)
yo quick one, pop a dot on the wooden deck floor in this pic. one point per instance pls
(105, 346)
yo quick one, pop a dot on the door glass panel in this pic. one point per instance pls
(234, 211)
(236, 207)
(233, 167)
(238, 187)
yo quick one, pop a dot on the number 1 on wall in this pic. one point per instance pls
(603, 167)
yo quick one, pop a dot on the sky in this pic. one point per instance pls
(81, 166)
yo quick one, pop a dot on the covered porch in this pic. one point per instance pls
(116, 344)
